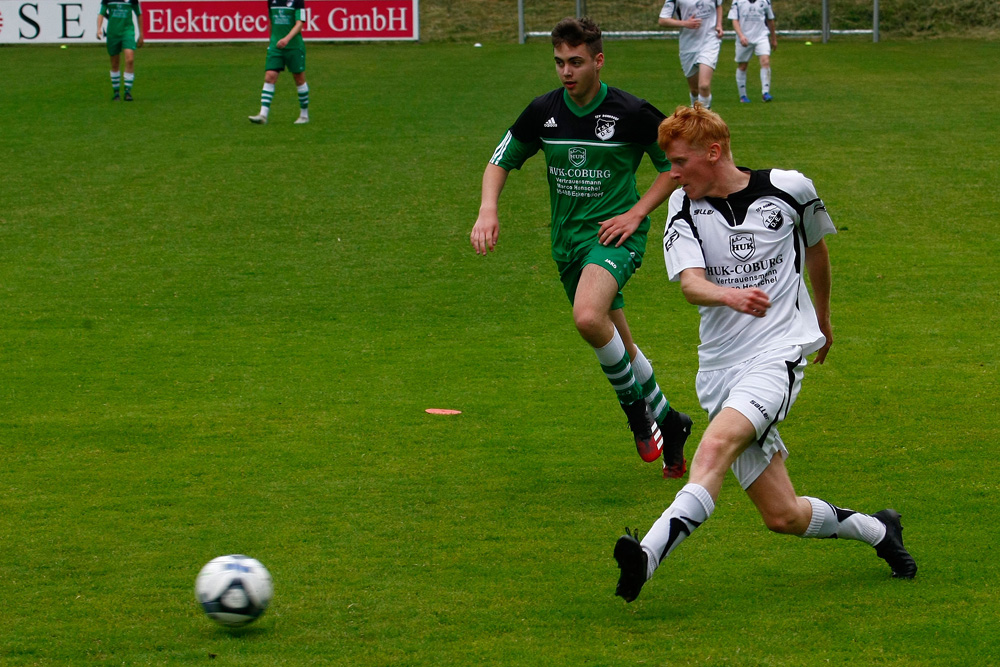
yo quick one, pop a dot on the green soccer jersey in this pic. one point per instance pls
(119, 16)
(592, 154)
(284, 14)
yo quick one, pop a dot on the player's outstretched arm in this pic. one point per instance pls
(486, 231)
(821, 280)
(624, 225)
(700, 291)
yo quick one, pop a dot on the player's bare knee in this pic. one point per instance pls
(783, 523)
(588, 320)
(714, 453)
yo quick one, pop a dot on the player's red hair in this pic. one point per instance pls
(696, 125)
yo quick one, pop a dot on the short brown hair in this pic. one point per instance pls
(696, 125)
(574, 31)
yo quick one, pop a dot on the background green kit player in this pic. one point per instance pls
(121, 39)
(287, 49)
(593, 137)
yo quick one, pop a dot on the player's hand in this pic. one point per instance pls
(774, 44)
(827, 330)
(743, 40)
(282, 43)
(100, 34)
(139, 42)
(693, 24)
(751, 301)
(485, 233)
(718, 31)
(620, 227)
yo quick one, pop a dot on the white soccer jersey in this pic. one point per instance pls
(753, 238)
(753, 16)
(693, 41)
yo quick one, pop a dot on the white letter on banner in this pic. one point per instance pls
(226, 23)
(154, 20)
(337, 25)
(310, 21)
(262, 24)
(393, 19)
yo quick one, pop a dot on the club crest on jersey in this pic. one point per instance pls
(742, 246)
(771, 215)
(577, 156)
(605, 127)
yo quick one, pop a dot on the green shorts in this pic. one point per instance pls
(620, 262)
(119, 43)
(279, 59)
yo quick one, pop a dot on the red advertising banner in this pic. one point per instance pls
(246, 20)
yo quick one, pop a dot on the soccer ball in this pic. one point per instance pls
(233, 590)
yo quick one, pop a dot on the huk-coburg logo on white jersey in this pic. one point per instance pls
(742, 246)
(577, 156)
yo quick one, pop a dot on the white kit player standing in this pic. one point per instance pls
(753, 21)
(739, 242)
(700, 39)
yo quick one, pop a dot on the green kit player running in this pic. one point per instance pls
(287, 49)
(121, 39)
(593, 137)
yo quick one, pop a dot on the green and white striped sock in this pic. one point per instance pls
(266, 95)
(618, 369)
(643, 371)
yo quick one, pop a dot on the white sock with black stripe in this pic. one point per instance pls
(831, 521)
(692, 506)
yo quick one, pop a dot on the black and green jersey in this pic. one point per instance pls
(592, 154)
(119, 16)
(283, 15)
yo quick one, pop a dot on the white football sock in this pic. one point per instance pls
(691, 507)
(830, 521)
(741, 81)
(765, 79)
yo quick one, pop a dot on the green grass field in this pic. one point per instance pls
(221, 338)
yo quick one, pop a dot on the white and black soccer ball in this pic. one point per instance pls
(234, 590)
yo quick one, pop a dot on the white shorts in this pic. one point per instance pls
(762, 47)
(763, 390)
(707, 55)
